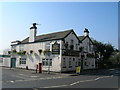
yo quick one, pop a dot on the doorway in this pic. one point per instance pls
(13, 62)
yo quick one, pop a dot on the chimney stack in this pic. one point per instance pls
(86, 32)
(33, 31)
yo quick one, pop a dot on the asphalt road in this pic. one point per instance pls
(17, 78)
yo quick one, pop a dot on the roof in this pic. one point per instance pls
(49, 37)
(81, 38)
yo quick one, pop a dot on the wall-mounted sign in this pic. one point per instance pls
(68, 52)
(55, 48)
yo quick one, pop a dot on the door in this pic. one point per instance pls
(13, 62)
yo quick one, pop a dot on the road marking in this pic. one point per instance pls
(78, 82)
(81, 81)
(55, 86)
(47, 78)
(33, 76)
(35, 89)
(12, 81)
(23, 75)
(90, 80)
(74, 83)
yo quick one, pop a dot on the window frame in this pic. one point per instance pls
(22, 61)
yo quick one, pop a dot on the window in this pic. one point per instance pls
(70, 63)
(76, 46)
(85, 64)
(47, 62)
(86, 48)
(50, 62)
(21, 48)
(79, 63)
(72, 42)
(13, 47)
(43, 62)
(47, 45)
(76, 63)
(22, 61)
(64, 63)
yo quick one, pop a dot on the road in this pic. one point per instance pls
(17, 78)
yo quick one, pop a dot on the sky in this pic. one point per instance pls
(100, 18)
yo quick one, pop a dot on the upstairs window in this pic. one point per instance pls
(72, 42)
(47, 45)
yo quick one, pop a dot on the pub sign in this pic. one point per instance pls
(55, 48)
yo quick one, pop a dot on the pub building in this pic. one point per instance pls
(59, 51)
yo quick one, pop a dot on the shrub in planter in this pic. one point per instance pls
(31, 51)
(9, 52)
(14, 51)
(47, 52)
(24, 52)
(21, 53)
(40, 51)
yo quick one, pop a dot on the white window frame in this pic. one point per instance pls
(46, 62)
(22, 61)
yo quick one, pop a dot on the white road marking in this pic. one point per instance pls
(78, 82)
(23, 75)
(33, 79)
(55, 86)
(90, 80)
(33, 76)
(74, 83)
(12, 81)
(81, 81)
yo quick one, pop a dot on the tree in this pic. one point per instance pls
(115, 59)
(105, 50)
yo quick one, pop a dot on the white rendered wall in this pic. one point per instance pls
(90, 61)
(72, 37)
(6, 62)
(35, 57)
